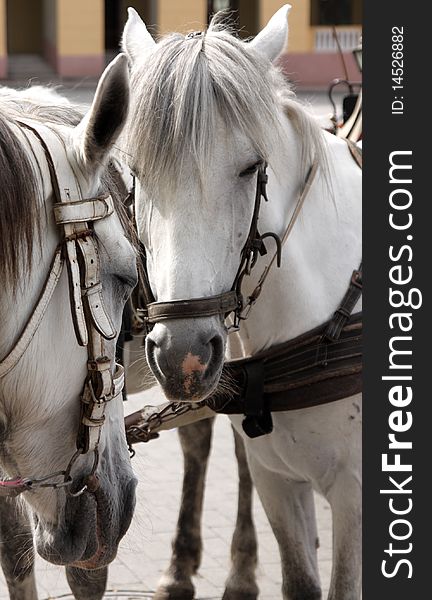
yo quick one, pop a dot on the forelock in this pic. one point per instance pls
(182, 92)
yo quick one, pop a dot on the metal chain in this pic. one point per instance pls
(146, 429)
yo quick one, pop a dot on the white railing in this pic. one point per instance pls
(325, 42)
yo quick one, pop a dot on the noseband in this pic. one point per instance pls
(78, 249)
(232, 302)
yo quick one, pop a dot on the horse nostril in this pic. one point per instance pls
(216, 344)
(151, 348)
(150, 345)
(216, 356)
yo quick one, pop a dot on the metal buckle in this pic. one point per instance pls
(80, 235)
(193, 34)
(102, 400)
(68, 480)
(101, 364)
(356, 279)
(246, 309)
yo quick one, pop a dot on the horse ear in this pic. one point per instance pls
(273, 38)
(136, 40)
(103, 123)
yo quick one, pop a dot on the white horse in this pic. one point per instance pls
(42, 380)
(207, 111)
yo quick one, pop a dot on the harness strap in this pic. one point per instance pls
(276, 256)
(52, 153)
(30, 328)
(91, 319)
(232, 301)
(323, 365)
(343, 312)
(301, 373)
(355, 288)
(356, 152)
(199, 307)
(91, 287)
(80, 211)
(326, 351)
(98, 391)
(10, 488)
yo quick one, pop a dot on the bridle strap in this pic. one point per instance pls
(30, 328)
(276, 256)
(356, 152)
(92, 322)
(229, 302)
(83, 210)
(198, 307)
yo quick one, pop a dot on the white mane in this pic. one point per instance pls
(41, 103)
(186, 83)
(37, 93)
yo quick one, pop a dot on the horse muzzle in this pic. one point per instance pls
(186, 358)
(91, 527)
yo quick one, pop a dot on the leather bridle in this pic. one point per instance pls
(233, 301)
(319, 366)
(79, 250)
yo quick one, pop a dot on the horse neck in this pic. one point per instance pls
(320, 254)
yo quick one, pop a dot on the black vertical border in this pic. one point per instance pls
(384, 133)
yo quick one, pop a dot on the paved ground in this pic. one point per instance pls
(145, 550)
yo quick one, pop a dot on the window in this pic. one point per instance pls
(116, 16)
(244, 14)
(336, 12)
(215, 5)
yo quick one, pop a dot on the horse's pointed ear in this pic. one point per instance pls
(136, 40)
(103, 123)
(272, 40)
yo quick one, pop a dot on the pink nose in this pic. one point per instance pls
(186, 363)
(191, 366)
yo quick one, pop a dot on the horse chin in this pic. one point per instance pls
(88, 536)
(105, 551)
(191, 389)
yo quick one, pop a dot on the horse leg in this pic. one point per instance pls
(345, 500)
(85, 584)
(290, 509)
(176, 583)
(241, 582)
(17, 551)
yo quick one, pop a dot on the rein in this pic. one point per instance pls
(78, 249)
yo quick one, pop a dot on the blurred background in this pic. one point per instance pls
(59, 40)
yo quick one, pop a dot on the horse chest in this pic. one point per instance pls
(309, 444)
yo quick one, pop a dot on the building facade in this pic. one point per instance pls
(75, 37)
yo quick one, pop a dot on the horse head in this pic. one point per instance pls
(204, 121)
(41, 411)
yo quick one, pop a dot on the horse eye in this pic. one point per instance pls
(251, 169)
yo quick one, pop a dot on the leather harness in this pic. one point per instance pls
(231, 302)
(320, 366)
(79, 250)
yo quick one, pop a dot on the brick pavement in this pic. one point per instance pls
(145, 550)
